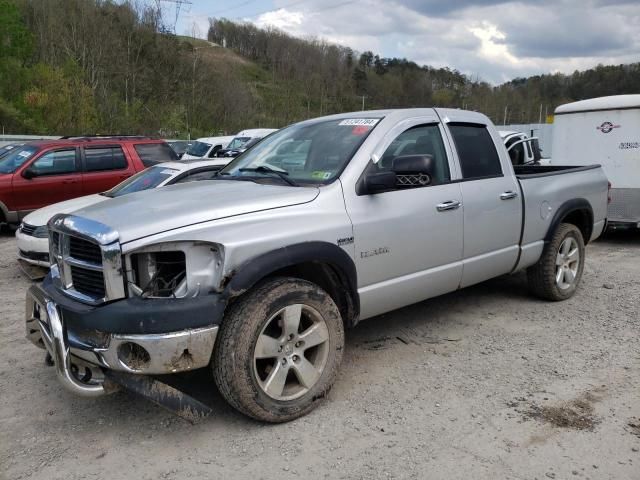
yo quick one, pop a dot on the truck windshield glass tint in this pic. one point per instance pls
(476, 151)
(198, 149)
(16, 158)
(149, 178)
(312, 153)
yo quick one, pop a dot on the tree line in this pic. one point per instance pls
(101, 66)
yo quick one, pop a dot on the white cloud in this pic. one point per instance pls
(496, 40)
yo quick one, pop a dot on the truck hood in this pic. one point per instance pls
(158, 210)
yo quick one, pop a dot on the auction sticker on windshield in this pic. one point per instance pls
(363, 122)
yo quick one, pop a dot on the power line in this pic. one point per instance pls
(294, 4)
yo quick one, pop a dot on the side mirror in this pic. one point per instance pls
(29, 174)
(414, 170)
(379, 182)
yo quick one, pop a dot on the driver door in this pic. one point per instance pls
(408, 242)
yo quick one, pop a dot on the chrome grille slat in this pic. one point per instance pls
(86, 259)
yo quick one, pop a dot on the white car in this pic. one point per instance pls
(207, 147)
(33, 236)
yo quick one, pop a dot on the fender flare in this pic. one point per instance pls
(251, 272)
(568, 207)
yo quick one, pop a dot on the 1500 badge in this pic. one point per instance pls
(373, 253)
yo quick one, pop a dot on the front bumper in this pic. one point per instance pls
(33, 250)
(81, 355)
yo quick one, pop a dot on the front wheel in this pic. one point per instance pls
(279, 349)
(557, 274)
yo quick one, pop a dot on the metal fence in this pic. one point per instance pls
(7, 139)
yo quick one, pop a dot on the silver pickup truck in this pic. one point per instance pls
(323, 224)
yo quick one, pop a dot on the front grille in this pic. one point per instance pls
(28, 229)
(88, 282)
(86, 269)
(86, 251)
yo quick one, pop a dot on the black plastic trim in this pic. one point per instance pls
(565, 209)
(263, 265)
(522, 171)
(137, 315)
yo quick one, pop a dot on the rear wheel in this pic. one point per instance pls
(557, 274)
(279, 350)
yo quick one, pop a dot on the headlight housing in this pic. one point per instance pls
(41, 232)
(174, 269)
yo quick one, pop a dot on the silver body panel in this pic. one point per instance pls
(405, 249)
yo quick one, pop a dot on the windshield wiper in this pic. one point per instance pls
(264, 169)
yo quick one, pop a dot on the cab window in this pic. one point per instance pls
(58, 162)
(419, 140)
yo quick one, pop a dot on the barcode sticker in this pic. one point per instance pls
(365, 122)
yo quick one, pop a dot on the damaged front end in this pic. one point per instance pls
(109, 321)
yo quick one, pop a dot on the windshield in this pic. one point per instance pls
(16, 157)
(238, 142)
(145, 180)
(199, 149)
(312, 153)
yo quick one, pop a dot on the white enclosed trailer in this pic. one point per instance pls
(604, 130)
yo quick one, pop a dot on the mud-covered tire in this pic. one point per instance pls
(547, 278)
(235, 363)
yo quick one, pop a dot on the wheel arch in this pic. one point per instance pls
(322, 263)
(577, 212)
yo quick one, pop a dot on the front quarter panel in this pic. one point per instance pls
(245, 237)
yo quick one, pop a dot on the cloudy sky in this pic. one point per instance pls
(492, 39)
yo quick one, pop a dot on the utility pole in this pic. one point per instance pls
(504, 120)
(178, 5)
(540, 116)
(363, 97)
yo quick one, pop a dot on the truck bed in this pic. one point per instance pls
(547, 188)
(534, 171)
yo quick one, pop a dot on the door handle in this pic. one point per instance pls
(508, 195)
(448, 205)
(69, 180)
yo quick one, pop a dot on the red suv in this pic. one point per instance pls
(44, 172)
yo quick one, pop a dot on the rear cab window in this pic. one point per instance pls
(477, 153)
(154, 153)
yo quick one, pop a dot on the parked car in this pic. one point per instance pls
(255, 275)
(243, 141)
(604, 130)
(5, 149)
(522, 149)
(206, 147)
(33, 236)
(48, 171)
(179, 146)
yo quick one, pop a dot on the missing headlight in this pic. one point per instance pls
(160, 274)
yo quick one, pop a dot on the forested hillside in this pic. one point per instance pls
(97, 66)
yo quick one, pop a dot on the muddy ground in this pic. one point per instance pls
(484, 383)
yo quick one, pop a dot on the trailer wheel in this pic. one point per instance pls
(279, 349)
(557, 274)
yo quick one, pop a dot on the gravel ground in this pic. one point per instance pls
(482, 383)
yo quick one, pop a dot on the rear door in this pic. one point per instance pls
(492, 203)
(104, 166)
(55, 176)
